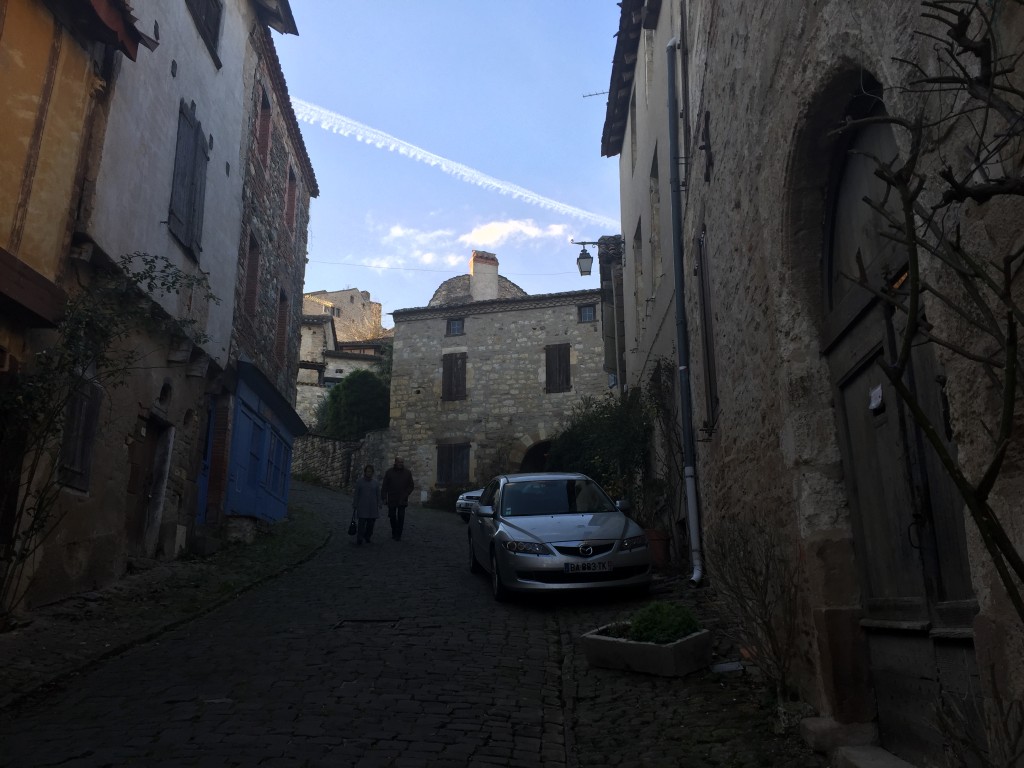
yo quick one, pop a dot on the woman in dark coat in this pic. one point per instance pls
(366, 504)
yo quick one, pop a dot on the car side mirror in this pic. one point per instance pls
(483, 511)
(622, 505)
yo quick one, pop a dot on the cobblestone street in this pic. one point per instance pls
(390, 654)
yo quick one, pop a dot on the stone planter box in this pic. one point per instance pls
(676, 659)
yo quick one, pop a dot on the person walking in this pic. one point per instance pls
(365, 504)
(395, 490)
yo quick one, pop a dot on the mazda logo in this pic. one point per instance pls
(586, 550)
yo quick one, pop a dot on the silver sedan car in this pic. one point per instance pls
(466, 502)
(554, 531)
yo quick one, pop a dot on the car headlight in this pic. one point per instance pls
(526, 548)
(634, 542)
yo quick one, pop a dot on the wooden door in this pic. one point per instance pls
(907, 521)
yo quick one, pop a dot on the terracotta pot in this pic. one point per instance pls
(659, 540)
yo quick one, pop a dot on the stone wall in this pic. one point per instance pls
(762, 92)
(338, 463)
(323, 458)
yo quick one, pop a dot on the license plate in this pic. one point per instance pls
(597, 567)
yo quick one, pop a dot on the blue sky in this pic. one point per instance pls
(424, 118)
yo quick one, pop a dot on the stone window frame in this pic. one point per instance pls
(581, 310)
(455, 326)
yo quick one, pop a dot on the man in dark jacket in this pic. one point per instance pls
(394, 491)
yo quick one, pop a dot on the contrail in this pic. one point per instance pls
(332, 121)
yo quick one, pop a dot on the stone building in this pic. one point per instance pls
(327, 356)
(121, 152)
(741, 201)
(355, 316)
(252, 422)
(483, 375)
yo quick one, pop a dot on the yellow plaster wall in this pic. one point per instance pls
(30, 44)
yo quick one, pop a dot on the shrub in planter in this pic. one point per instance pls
(662, 638)
(662, 622)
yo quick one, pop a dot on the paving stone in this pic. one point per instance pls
(324, 654)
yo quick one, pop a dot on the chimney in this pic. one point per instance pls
(483, 276)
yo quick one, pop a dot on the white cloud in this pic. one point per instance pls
(496, 233)
(416, 238)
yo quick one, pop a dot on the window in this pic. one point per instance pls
(455, 327)
(557, 364)
(654, 188)
(638, 278)
(289, 200)
(206, 14)
(453, 376)
(707, 333)
(587, 313)
(188, 188)
(453, 464)
(263, 125)
(632, 132)
(252, 277)
(80, 422)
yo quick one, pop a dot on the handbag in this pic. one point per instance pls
(352, 527)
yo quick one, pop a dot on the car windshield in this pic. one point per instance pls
(554, 497)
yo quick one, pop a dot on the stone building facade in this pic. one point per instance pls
(140, 154)
(326, 356)
(252, 423)
(740, 199)
(484, 374)
(355, 316)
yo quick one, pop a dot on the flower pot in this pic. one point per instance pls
(686, 655)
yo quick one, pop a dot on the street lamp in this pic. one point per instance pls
(584, 261)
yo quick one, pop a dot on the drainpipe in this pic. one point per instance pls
(682, 334)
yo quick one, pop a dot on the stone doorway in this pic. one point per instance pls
(536, 457)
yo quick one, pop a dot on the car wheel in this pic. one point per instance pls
(498, 589)
(474, 566)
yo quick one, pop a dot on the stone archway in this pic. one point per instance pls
(535, 458)
(893, 612)
(812, 447)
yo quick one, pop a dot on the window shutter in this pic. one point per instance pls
(453, 376)
(200, 157)
(460, 376)
(556, 365)
(184, 162)
(80, 426)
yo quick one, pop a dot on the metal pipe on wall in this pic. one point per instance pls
(682, 333)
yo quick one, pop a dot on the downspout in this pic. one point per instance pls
(682, 334)
(615, 319)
